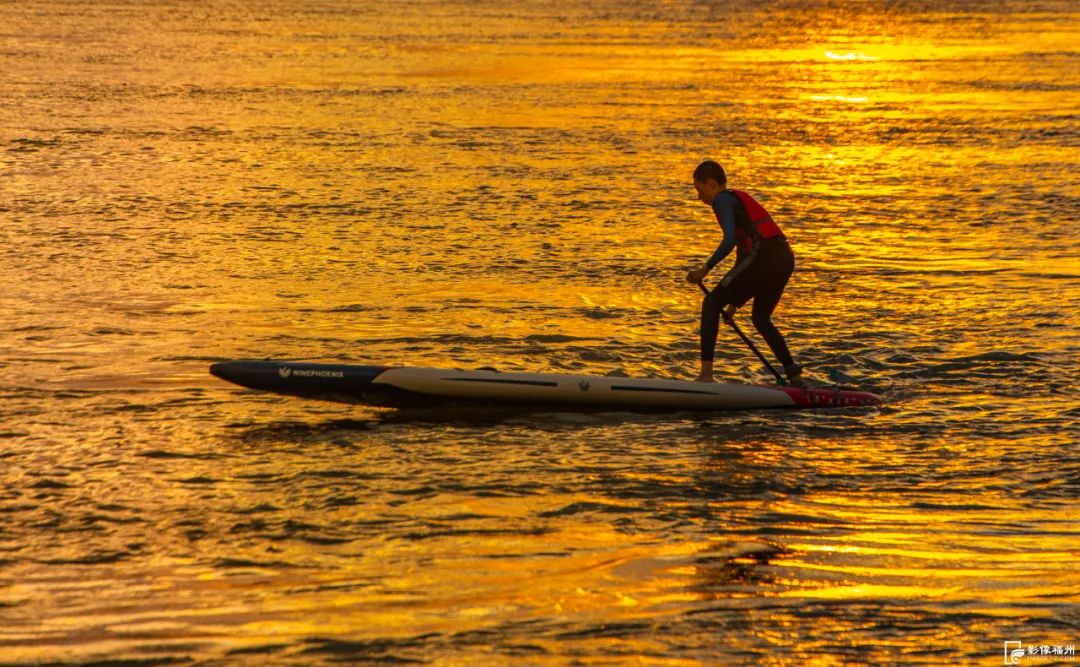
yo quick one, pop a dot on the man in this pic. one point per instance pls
(763, 264)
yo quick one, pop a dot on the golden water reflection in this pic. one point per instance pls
(446, 185)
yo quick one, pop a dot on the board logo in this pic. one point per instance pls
(285, 372)
(583, 385)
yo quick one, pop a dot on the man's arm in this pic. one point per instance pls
(724, 207)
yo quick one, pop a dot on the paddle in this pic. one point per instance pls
(731, 322)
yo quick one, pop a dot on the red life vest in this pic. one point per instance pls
(752, 222)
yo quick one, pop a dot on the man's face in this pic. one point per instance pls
(707, 190)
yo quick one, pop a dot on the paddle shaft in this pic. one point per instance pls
(731, 322)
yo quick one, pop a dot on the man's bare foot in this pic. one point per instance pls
(706, 371)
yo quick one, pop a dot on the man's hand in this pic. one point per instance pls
(697, 275)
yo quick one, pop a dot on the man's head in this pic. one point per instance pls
(709, 180)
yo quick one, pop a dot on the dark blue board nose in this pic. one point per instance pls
(338, 382)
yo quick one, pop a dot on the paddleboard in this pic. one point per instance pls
(408, 387)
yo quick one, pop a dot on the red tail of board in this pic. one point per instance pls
(830, 398)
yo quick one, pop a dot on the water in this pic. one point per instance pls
(507, 184)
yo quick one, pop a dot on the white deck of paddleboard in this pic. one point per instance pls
(583, 390)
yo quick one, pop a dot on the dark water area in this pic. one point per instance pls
(464, 184)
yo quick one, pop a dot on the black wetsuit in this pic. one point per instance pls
(760, 273)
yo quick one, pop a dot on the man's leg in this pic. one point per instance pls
(711, 307)
(761, 315)
(770, 289)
